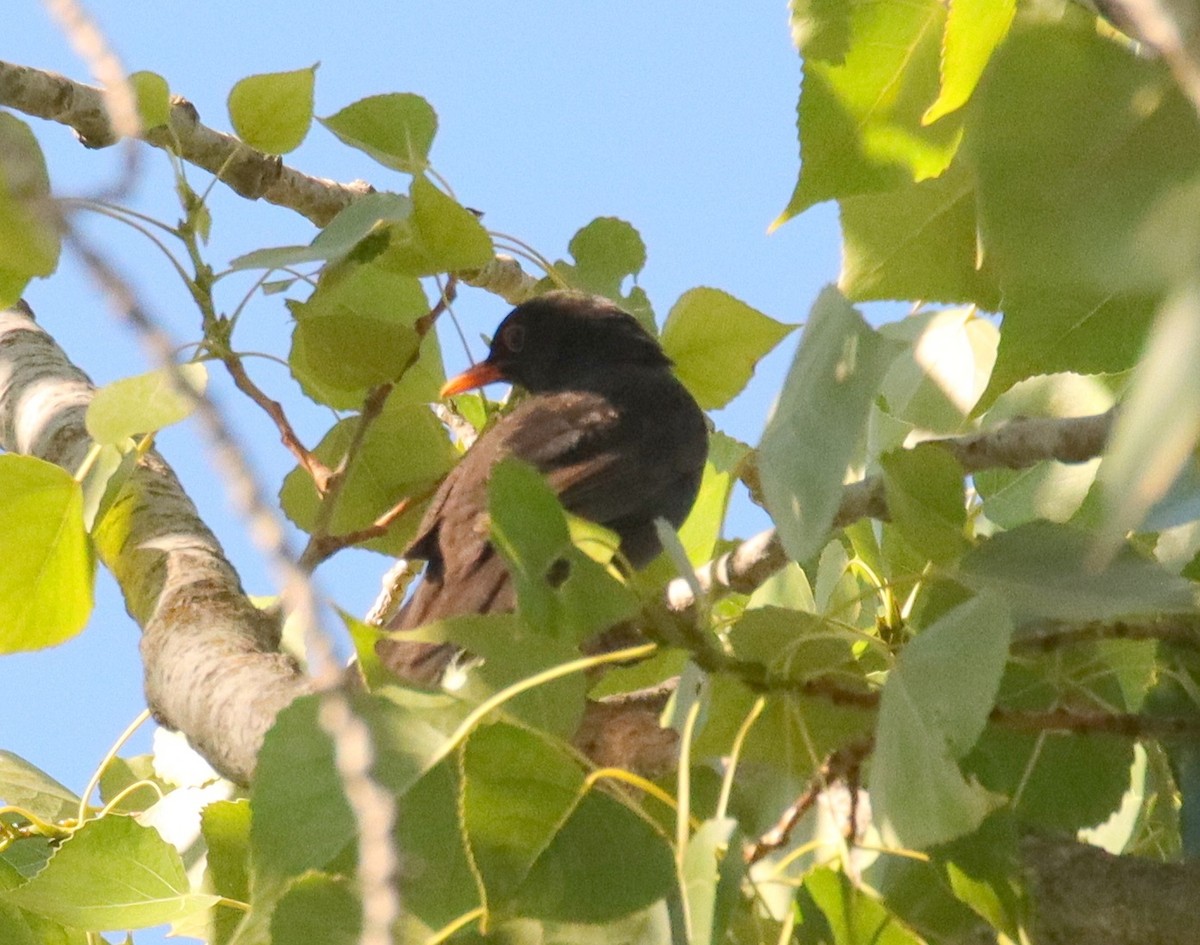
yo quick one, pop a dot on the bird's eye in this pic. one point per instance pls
(513, 337)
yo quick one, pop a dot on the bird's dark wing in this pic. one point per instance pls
(608, 461)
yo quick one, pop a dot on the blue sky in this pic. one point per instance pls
(678, 118)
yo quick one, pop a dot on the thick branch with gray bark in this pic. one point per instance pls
(213, 668)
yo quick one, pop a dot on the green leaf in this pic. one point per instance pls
(226, 829)
(853, 916)
(1155, 433)
(860, 109)
(438, 883)
(408, 731)
(517, 790)
(707, 849)
(317, 910)
(14, 930)
(793, 644)
(561, 592)
(934, 708)
(1049, 570)
(608, 251)
(811, 435)
(111, 874)
(916, 241)
(145, 403)
(46, 582)
(396, 129)
(1058, 781)
(444, 236)
(716, 341)
(404, 454)
(358, 328)
(974, 28)
(23, 785)
(273, 111)
(1087, 160)
(926, 500)
(1049, 490)
(940, 374)
(29, 239)
(605, 863)
(702, 528)
(366, 219)
(153, 99)
(1051, 332)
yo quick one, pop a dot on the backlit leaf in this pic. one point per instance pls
(273, 111)
(396, 129)
(716, 341)
(934, 707)
(112, 873)
(145, 403)
(46, 581)
(817, 421)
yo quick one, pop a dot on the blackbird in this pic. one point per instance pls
(615, 434)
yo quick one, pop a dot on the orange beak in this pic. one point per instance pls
(482, 373)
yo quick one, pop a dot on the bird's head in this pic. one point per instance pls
(559, 341)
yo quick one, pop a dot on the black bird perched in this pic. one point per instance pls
(616, 435)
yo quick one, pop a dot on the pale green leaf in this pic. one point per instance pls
(1049, 570)
(444, 236)
(29, 235)
(1053, 332)
(854, 916)
(707, 848)
(604, 863)
(561, 592)
(46, 582)
(1048, 490)
(368, 216)
(926, 500)
(811, 435)
(943, 369)
(607, 251)
(860, 108)
(1087, 163)
(1155, 433)
(145, 403)
(934, 707)
(702, 528)
(153, 98)
(28, 787)
(395, 129)
(273, 111)
(916, 241)
(715, 341)
(404, 454)
(974, 28)
(112, 873)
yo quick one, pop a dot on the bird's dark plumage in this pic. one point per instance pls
(615, 434)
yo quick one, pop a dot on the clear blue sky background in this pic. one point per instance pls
(679, 118)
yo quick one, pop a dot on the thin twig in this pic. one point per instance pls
(307, 459)
(840, 765)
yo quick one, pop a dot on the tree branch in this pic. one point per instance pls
(212, 665)
(250, 173)
(1017, 444)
